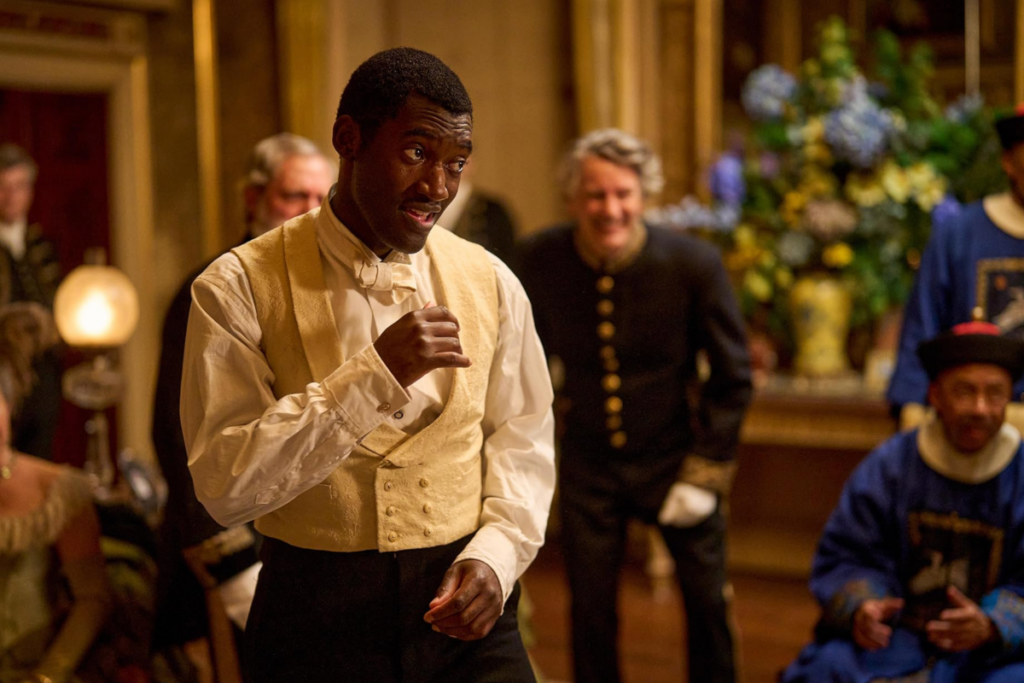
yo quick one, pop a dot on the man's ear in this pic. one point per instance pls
(346, 139)
(251, 195)
(933, 393)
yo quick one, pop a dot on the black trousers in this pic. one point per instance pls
(358, 617)
(598, 497)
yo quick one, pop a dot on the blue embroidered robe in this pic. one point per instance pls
(969, 262)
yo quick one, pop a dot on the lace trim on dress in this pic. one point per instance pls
(68, 495)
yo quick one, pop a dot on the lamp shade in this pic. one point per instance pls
(96, 306)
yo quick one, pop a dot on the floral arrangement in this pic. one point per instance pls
(841, 176)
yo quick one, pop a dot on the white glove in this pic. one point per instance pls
(687, 505)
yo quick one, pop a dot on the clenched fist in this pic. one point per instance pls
(419, 342)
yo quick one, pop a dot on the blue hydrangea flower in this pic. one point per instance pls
(727, 183)
(767, 91)
(854, 91)
(965, 107)
(858, 132)
(946, 210)
(690, 213)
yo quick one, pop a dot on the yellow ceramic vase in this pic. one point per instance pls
(820, 306)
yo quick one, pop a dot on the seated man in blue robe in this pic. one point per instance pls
(920, 571)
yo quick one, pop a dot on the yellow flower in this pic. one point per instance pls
(927, 186)
(816, 183)
(834, 31)
(920, 175)
(837, 255)
(929, 196)
(744, 236)
(895, 182)
(783, 278)
(766, 259)
(746, 252)
(832, 54)
(899, 121)
(792, 207)
(863, 189)
(813, 131)
(758, 285)
(818, 153)
(812, 68)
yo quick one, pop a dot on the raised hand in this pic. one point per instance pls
(421, 341)
(468, 601)
(961, 628)
(869, 628)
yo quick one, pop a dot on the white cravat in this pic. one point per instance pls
(12, 238)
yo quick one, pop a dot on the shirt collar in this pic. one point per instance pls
(1006, 213)
(618, 261)
(968, 468)
(344, 245)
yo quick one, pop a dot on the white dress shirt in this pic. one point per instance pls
(250, 453)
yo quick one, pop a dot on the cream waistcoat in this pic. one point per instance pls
(394, 491)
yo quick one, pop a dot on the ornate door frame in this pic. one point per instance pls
(76, 49)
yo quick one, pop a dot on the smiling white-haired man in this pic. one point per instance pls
(627, 307)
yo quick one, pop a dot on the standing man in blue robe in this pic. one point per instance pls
(920, 571)
(972, 268)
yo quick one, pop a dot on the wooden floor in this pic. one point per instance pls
(774, 619)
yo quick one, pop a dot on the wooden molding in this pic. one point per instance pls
(44, 26)
(137, 5)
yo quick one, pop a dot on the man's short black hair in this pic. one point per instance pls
(378, 89)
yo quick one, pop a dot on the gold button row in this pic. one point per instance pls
(611, 382)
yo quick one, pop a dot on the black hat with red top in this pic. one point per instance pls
(1011, 128)
(973, 342)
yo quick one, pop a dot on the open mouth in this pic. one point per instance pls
(424, 218)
